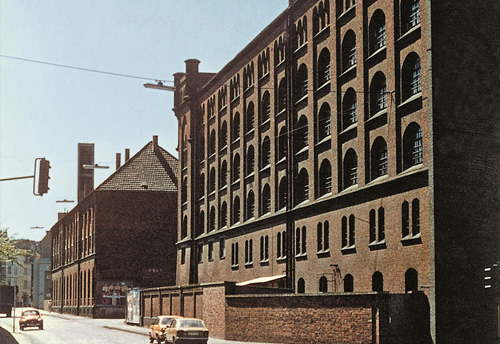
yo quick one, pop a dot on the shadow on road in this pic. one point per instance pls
(6, 337)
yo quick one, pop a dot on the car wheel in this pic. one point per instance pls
(151, 339)
(40, 327)
(22, 328)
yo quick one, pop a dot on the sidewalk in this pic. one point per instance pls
(120, 325)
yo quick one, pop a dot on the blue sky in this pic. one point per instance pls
(45, 111)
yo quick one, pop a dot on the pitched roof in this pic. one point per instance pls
(151, 169)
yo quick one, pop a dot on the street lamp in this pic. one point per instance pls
(36, 227)
(159, 86)
(93, 167)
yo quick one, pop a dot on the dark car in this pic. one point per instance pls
(30, 318)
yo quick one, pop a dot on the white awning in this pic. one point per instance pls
(260, 280)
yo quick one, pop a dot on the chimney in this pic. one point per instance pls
(118, 160)
(155, 142)
(127, 154)
(192, 66)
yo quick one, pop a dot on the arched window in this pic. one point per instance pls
(377, 282)
(378, 93)
(184, 190)
(250, 161)
(223, 215)
(373, 226)
(410, 15)
(223, 174)
(350, 168)
(200, 228)
(250, 205)
(278, 245)
(250, 117)
(236, 210)
(301, 137)
(412, 146)
(236, 126)
(211, 185)
(266, 199)
(325, 178)
(184, 229)
(323, 285)
(301, 286)
(282, 143)
(266, 107)
(266, 152)
(223, 135)
(212, 143)
(377, 31)
(324, 122)
(323, 237)
(411, 76)
(381, 224)
(405, 219)
(282, 95)
(301, 83)
(415, 217)
(301, 187)
(283, 193)
(236, 167)
(348, 50)
(349, 108)
(201, 185)
(324, 67)
(348, 283)
(378, 158)
(211, 222)
(411, 280)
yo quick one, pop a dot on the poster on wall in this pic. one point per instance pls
(133, 306)
(111, 293)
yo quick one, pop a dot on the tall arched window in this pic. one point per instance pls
(378, 93)
(211, 185)
(211, 222)
(266, 199)
(324, 122)
(325, 178)
(250, 161)
(378, 158)
(324, 67)
(200, 227)
(223, 135)
(282, 144)
(282, 95)
(405, 219)
(301, 190)
(301, 83)
(266, 107)
(415, 217)
(223, 174)
(212, 143)
(349, 108)
(184, 190)
(350, 167)
(411, 280)
(184, 229)
(410, 15)
(348, 283)
(236, 126)
(412, 146)
(377, 37)
(411, 76)
(236, 210)
(283, 193)
(301, 286)
(323, 285)
(266, 152)
(348, 50)
(377, 282)
(301, 137)
(236, 167)
(223, 215)
(250, 117)
(250, 208)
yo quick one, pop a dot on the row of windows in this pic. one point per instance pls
(410, 229)
(411, 283)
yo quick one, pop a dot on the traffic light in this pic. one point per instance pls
(43, 177)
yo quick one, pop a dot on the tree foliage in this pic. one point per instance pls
(8, 249)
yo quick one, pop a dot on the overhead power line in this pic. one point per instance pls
(82, 69)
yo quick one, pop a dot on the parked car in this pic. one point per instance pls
(157, 329)
(186, 330)
(30, 318)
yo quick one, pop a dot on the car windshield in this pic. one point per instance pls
(31, 313)
(190, 323)
(166, 321)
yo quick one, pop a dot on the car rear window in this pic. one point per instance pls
(31, 313)
(190, 323)
(166, 321)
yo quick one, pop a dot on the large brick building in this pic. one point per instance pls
(352, 146)
(120, 235)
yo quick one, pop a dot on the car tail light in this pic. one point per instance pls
(205, 334)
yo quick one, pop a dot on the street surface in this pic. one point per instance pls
(70, 329)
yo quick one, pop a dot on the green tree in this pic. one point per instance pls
(8, 249)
